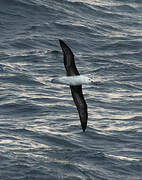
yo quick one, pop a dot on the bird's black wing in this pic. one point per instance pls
(69, 62)
(80, 104)
(75, 90)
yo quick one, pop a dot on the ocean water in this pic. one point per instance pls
(40, 131)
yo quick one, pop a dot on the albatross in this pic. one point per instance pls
(75, 80)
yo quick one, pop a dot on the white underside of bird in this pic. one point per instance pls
(73, 80)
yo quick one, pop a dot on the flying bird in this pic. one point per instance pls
(75, 80)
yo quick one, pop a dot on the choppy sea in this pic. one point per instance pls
(40, 132)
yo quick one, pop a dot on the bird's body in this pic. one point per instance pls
(73, 80)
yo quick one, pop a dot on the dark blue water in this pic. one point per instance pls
(40, 132)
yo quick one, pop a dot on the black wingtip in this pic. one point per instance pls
(63, 45)
(66, 49)
(83, 128)
(61, 42)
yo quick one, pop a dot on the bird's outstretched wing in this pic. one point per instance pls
(69, 62)
(75, 90)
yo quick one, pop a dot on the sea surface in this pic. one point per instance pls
(40, 132)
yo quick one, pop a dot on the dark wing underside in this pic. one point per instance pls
(76, 91)
(69, 62)
(80, 104)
